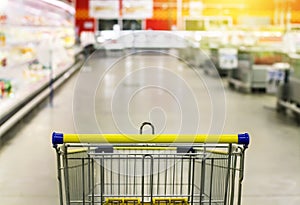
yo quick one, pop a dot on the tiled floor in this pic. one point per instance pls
(116, 96)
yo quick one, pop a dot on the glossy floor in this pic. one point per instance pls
(111, 95)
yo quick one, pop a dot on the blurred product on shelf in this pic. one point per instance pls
(266, 58)
(5, 88)
(68, 41)
(276, 76)
(20, 54)
(2, 39)
(3, 60)
(35, 71)
(35, 66)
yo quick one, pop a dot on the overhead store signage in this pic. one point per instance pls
(3, 18)
(104, 9)
(194, 24)
(196, 8)
(130, 9)
(137, 9)
(254, 20)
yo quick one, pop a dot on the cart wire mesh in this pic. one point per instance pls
(153, 174)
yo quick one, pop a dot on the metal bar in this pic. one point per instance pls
(233, 179)
(134, 177)
(193, 180)
(102, 180)
(202, 179)
(119, 176)
(146, 123)
(59, 177)
(151, 178)
(126, 175)
(211, 180)
(241, 175)
(228, 173)
(127, 196)
(139, 147)
(174, 174)
(111, 174)
(143, 178)
(83, 181)
(93, 182)
(181, 176)
(89, 174)
(222, 176)
(153, 186)
(59, 138)
(100, 185)
(158, 175)
(51, 79)
(124, 158)
(66, 168)
(166, 174)
(189, 177)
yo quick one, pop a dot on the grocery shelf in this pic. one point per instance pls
(29, 94)
(19, 64)
(288, 96)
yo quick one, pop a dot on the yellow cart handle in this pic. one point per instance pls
(60, 138)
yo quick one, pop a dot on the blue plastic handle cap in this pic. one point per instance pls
(57, 138)
(244, 139)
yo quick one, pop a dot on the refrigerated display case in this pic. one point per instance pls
(288, 96)
(254, 63)
(33, 34)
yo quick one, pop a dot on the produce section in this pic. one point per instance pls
(5, 88)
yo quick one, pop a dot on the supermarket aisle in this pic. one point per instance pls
(175, 99)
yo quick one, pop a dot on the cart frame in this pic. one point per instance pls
(158, 169)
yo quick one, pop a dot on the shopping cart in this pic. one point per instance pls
(165, 169)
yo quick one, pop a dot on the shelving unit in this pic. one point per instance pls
(288, 97)
(253, 67)
(29, 42)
